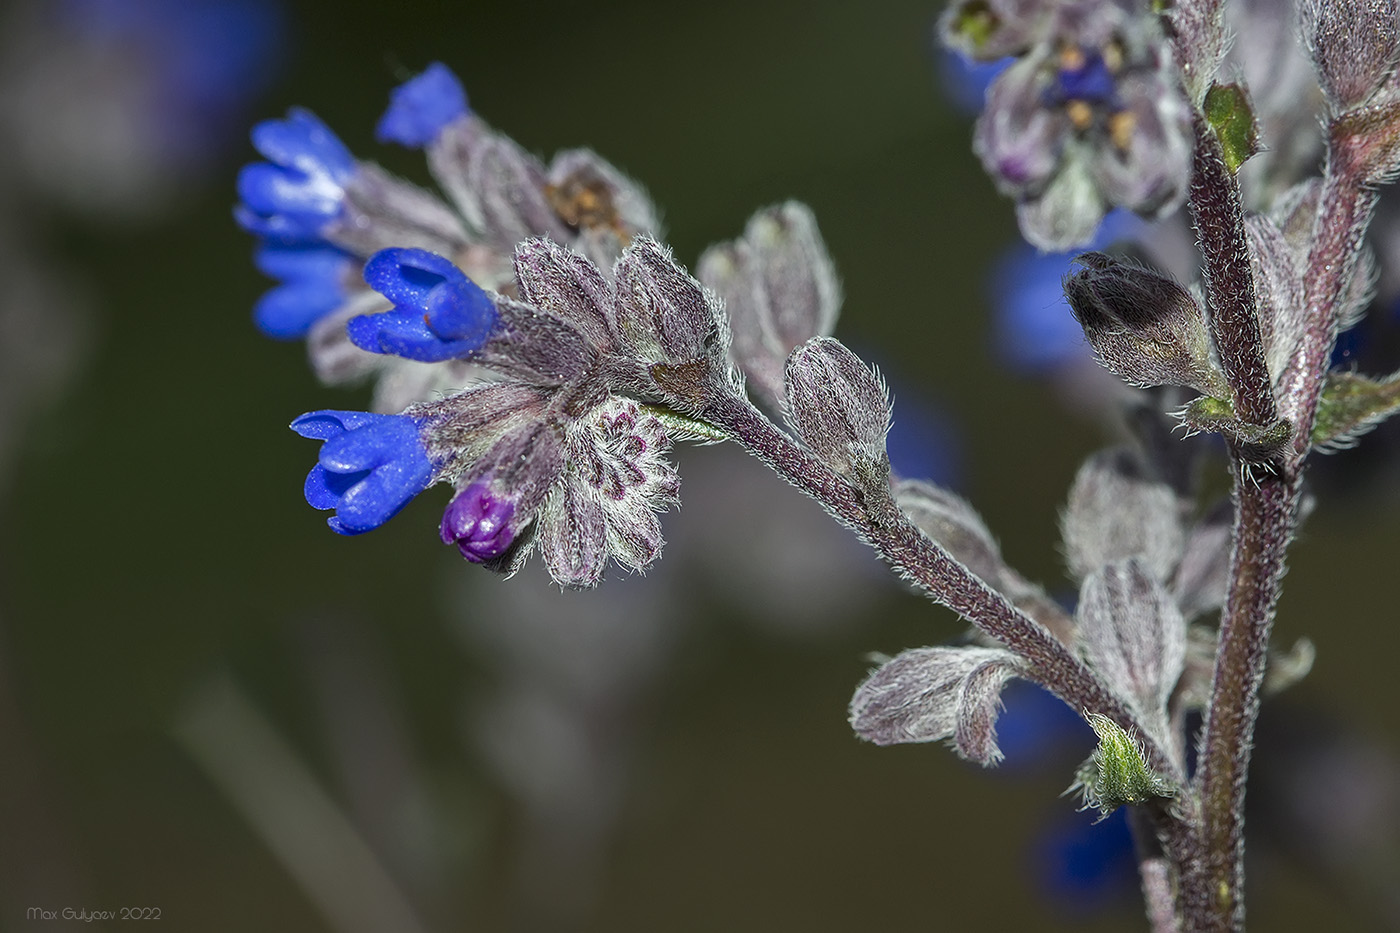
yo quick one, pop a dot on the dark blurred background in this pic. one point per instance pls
(212, 706)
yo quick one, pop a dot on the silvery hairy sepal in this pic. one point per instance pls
(1116, 510)
(840, 409)
(669, 322)
(1132, 633)
(1203, 575)
(1353, 44)
(932, 694)
(1143, 326)
(617, 481)
(779, 287)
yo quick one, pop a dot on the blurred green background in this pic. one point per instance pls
(170, 603)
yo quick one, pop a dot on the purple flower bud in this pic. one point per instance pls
(478, 522)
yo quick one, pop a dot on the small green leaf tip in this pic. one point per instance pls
(1117, 773)
(1253, 442)
(1229, 113)
(1352, 404)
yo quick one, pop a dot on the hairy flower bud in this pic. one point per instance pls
(1353, 44)
(931, 694)
(1144, 326)
(478, 522)
(839, 408)
(1115, 511)
(779, 287)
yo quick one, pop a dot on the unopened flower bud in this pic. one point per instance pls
(780, 288)
(839, 407)
(1144, 326)
(1353, 44)
(478, 522)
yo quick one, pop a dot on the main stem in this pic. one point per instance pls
(1266, 495)
(1214, 884)
(1212, 892)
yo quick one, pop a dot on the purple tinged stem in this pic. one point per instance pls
(914, 555)
(1213, 885)
(1343, 214)
(1229, 280)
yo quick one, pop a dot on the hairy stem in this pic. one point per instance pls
(1229, 281)
(1343, 213)
(1263, 526)
(1213, 883)
(915, 556)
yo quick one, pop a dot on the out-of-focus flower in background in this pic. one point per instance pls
(113, 107)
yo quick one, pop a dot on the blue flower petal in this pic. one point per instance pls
(407, 276)
(303, 142)
(439, 313)
(421, 107)
(313, 279)
(461, 311)
(966, 81)
(318, 491)
(369, 468)
(302, 189)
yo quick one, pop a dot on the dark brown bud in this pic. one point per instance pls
(1144, 326)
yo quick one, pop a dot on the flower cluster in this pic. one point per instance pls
(532, 343)
(321, 215)
(1089, 116)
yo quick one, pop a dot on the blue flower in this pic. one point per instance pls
(420, 107)
(368, 469)
(1037, 729)
(203, 60)
(302, 189)
(439, 313)
(313, 278)
(1083, 76)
